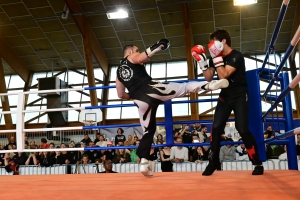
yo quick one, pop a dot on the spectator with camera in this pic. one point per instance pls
(186, 134)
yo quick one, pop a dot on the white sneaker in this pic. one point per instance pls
(218, 84)
(145, 168)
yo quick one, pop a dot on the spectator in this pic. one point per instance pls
(186, 135)
(45, 160)
(283, 156)
(44, 144)
(107, 164)
(241, 152)
(32, 145)
(11, 142)
(227, 152)
(134, 157)
(26, 140)
(129, 141)
(110, 153)
(298, 146)
(74, 155)
(198, 155)
(86, 139)
(159, 137)
(120, 137)
(166, 164)
(152, 158)
(179, 154)
(97, 139)
(33, 159)
(121, 156)
(202, 134)
(92, 154)
(11, 165)
(101, 142)
(20, 158)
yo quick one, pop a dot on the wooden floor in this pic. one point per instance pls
(231, 185)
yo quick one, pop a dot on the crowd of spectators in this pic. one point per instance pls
(194, 133)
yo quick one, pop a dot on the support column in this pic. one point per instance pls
(189, 59)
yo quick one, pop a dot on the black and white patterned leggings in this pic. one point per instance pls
(147, 99)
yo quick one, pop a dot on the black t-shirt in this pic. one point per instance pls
(110, 154)
(187, 137)
(298, 150)
(237, 80)
(120, 138)
(132, 76)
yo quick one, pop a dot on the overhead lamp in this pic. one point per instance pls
(243, 2)
(117, 15)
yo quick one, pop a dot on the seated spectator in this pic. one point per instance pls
(298, 146)
(120, 137)
(198, 155)
(134, 157)
(33, 159)
(202, 134)
(102, 155)
(241, 152)
(101, 142)
(97, 139)
(20, 158)
(121, 156)
(107, 164)
(32, 145)
(11, 142)
(92, 154)
(45, 160)
(10, 165)
(227, 152)
(44, 144)
(85, 159)
(86, 139)
(135, 138)
(159, 137)
(129, 141)
(283, 156)
(110, 153)
(179, 154)
(74, 155)
(166, 164)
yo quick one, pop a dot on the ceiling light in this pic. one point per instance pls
(117, 15)
(243, 2)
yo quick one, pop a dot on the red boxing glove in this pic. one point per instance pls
(198, 53)
(216, 50)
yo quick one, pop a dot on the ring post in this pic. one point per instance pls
(288, 114)
(169, 123)
(255, 111)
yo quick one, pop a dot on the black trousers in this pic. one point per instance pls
(147, 99)
(224, 107)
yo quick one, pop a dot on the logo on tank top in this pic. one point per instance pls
(125, 72)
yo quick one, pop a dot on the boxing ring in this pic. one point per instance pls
(273, 184)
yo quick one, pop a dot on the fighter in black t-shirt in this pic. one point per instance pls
(147, 94)
(229, 64)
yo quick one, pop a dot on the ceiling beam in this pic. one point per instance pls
(14, 61)
(85, 29)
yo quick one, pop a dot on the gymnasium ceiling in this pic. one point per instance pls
(40, 39)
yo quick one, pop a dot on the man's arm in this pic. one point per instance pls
(121, 90)
(225, 72)
(186, 155)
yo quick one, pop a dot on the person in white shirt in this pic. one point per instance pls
(179, 154)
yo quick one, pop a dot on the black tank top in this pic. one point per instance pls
(132, 76)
